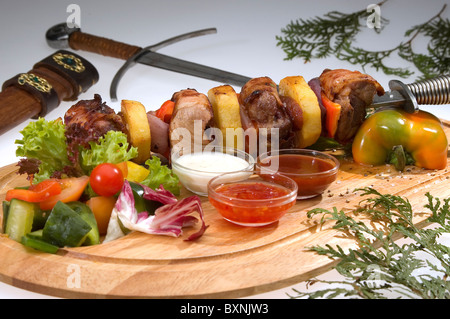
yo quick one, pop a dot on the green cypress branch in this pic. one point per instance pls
(334, 34)
(396, 265)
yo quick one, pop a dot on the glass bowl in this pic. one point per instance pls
(252, 199)
(313, 171)
(196, 169)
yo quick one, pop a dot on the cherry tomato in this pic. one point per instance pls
(106, 179)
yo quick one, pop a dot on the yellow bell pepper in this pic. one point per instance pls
(384, 136)
(136, 173)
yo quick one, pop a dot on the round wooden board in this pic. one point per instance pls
(228, 261)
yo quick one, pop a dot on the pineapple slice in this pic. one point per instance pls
(138, 128)
(297, 88)
(225, 104)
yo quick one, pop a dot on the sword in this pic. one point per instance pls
(405, 96)
(61, 36)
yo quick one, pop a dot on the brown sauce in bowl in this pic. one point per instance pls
(312, 174)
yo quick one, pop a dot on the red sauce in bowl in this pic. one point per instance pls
(252, 190)
(256, 201)
(312, 171)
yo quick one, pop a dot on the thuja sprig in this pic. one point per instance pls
(320, 37)
(437, 61)
(335, 33)
(396, 265)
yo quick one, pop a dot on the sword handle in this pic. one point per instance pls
(107, 47)
(60, 36)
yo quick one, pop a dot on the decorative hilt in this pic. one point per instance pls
(61, 76)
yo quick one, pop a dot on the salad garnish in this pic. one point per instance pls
(168, 219)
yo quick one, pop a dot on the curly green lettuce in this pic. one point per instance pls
(161, 175)
(113, 148)
(44, 143)
(43, 149)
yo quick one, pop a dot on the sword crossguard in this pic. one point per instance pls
(132, 60)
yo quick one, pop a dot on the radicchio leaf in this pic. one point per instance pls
(168, 219)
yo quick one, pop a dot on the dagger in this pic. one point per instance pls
(406, 96)
(61, 76)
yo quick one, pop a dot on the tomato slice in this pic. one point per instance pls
(71, 190)
(36, 193)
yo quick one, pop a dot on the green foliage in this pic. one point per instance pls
(334, 34)
(395, 267)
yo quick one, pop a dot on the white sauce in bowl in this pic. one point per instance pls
(195, 170)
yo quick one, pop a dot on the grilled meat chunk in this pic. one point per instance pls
(262, 107)
(87, 121)
(354, 91)
(192, 109)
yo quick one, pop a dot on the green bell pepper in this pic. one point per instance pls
(401, 138)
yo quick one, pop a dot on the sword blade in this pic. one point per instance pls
(190, 68)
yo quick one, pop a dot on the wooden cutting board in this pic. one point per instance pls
(229, 261)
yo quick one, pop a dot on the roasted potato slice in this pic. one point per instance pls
(297, 88)
(138, 128)
(225, 104)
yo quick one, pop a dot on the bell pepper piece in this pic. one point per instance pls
(165, 111)
(136, 173)
(420, 134)
(333, 111)
(36, 193)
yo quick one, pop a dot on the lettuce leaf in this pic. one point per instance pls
(44, 141)
(113, 148)
(161, 175)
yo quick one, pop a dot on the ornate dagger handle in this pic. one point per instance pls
(433, 91)
(61, 76)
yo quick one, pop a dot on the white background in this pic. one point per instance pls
(245, 44)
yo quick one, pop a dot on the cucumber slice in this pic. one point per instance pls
(38, 244)
(93, 237)
(5, 207)
(37, 234)
(65, 227)
(20, 219)
(39, 219)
